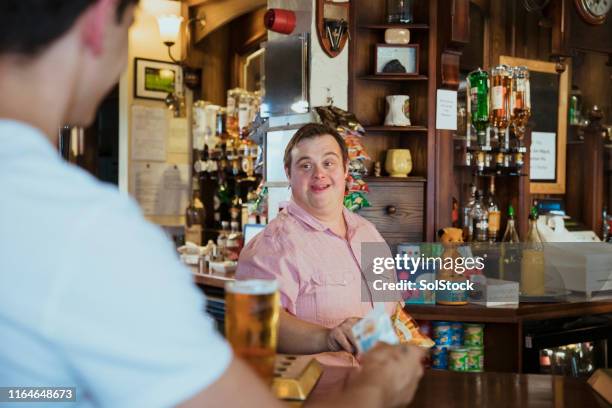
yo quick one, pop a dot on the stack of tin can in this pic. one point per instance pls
(459, 346)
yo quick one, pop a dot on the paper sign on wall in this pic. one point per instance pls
(543, 164)
(149, 132)
(160, 188)
(446, 109)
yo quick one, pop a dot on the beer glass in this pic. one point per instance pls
(251, 323)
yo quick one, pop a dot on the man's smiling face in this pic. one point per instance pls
(318, 175)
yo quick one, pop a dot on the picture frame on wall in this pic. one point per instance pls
(390, 58)
(155, 79)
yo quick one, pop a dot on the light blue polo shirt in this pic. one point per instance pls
(91, 295)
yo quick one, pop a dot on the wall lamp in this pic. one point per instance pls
(169, 29)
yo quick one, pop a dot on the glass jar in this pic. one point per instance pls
(399, 11)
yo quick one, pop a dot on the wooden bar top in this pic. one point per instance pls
(475, 390)
(525, 311)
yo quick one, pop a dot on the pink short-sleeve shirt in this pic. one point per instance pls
(319, 272)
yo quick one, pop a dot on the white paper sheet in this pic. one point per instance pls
(178, 136)
(160, 188)
(543, 164)
(149, 132)
(446, 109)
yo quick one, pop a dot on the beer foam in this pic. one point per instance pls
(252, 287)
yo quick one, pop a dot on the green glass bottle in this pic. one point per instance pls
(478, 82)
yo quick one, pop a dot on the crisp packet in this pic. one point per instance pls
(374, 327)
(407, 329)
(356, 200)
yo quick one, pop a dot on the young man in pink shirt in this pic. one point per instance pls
(313, 248)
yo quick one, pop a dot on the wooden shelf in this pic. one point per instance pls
(386, 26)
(387, 179)
(397, 77)
(395, 129)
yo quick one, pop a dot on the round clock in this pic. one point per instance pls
(593, 11)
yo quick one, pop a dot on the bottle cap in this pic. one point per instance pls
(510, 211)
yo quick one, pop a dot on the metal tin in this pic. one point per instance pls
(439, 358)
(473, 335)
(442, 333)
(457, 334)
(457, 359)
(475, 359)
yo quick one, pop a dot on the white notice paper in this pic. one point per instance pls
(178, 136)
(446, 109)
(543, 164)
(149, 131)
(160, 188)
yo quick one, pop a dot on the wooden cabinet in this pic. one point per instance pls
(397, 208)
(367, 93)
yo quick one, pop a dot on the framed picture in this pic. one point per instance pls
(548, 124)
(156, 79)
(398, 59)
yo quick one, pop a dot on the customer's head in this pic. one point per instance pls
(316, 164)
(87, 38)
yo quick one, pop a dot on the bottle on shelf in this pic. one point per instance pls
(532, 261)
(480, 219)
(194, 220)
(494, 214)
(234, 242)
(222, 239)
(509, 264)
(510, 236)
(478, 81)
(468, 225)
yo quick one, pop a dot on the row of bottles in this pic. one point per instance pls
(481, 216)
(225, 182)
(498, 106)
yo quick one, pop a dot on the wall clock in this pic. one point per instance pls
(593, 11)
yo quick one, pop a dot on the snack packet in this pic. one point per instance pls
(374, 327)
(407, 329)
(356, 200)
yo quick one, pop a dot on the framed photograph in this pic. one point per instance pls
(395, 59)
(156, 79)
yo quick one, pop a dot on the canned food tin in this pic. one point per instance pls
(473, 335)
(457, 334)
(442, 333)
(439, 358)
(475, 359)
(457, 359)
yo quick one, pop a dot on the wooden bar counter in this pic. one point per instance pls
(474, 390)
(504, 327)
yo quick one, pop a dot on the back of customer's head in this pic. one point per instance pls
(28, 26)
(74, 50)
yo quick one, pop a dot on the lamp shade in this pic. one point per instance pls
(169, 26)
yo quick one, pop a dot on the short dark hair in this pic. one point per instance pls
(27, 26)
(310, 131)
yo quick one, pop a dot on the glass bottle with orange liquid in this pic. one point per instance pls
(532, 260)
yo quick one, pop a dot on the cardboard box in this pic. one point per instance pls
(494, 292)
(601, 381)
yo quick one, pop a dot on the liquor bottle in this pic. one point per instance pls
(532, 261)
(234, 242)
(500, 100)
(194, 220)
(468, 226)
(509, 265)
(494, 214)
(520, 100)
(510, 236)
(480, 219)
(479, 104)
(222, 239)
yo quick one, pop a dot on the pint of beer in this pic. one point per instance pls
(251, 322)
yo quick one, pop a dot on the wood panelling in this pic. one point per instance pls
(397, 208)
